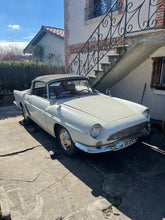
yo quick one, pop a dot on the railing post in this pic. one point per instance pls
(70, 70)
(79, 64)
(88, 58)
(125, 23)
(148, 22)
(98, 52)
(110, 37)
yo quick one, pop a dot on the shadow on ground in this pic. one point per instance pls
(9, 112)
(132, 179)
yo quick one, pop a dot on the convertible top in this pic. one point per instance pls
(49, 78)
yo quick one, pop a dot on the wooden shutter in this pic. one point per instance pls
(156, 72)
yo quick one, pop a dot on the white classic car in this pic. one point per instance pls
(68, 108)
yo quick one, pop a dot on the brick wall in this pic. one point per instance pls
(160, 15)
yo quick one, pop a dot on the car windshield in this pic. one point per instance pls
(66, 88)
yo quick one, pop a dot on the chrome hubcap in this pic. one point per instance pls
(65, 139)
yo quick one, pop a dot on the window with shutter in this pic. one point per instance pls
(98, 7)
(158, 73)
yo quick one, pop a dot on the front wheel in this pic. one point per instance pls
(66, 142)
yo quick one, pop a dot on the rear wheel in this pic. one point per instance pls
(163, 127)
(25, 115)
(66, 142)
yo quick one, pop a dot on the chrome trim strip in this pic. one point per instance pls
(91, 150)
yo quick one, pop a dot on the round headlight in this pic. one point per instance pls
(95, 130)
(146, 113)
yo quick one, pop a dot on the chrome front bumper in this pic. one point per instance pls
(105, 148)
(118, 145)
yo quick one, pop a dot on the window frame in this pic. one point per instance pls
(69, 81)
(162, 74)
(158, 73)
(96, 9)
(45, 89)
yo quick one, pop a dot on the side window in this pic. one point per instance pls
(39, 89)
(63, 88)
(52, 90)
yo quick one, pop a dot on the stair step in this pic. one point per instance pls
(121, 46)
(91, 78)
(105, 63)
(113, 55)
(100, 70)
(97, 72)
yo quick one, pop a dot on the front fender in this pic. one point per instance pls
(78, 124)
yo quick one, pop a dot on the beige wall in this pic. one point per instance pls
(80, 30)
(131, 88)
(53, 50)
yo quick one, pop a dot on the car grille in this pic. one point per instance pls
(128, 132)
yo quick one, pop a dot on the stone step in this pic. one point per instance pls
(98, 72)
(112, 57)
(120, 48)
(91, 78)
(105, 65)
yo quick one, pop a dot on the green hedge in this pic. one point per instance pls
(18, 75)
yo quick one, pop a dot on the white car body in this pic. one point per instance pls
(119, 123)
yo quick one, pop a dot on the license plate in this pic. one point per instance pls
(124, 143)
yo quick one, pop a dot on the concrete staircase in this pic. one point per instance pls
(111, 60)
(125, 59)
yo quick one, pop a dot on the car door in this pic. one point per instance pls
(38, 103)
(52, 110)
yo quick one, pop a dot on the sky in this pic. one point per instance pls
(20, 20)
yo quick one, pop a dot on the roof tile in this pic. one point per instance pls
(54, 30)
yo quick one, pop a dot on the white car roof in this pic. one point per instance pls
(48, 78)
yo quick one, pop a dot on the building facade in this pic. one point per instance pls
(51, 41)
(121, 45)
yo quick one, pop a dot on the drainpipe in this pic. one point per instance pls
(125, 26)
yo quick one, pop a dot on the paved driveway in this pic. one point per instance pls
(128, 184)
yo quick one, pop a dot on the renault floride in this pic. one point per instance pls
(80, 117)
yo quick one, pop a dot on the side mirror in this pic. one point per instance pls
(53, 102)
(108, 92)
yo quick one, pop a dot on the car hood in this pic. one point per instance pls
(101, 107)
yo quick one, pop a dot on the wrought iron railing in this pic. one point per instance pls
(134, 16)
